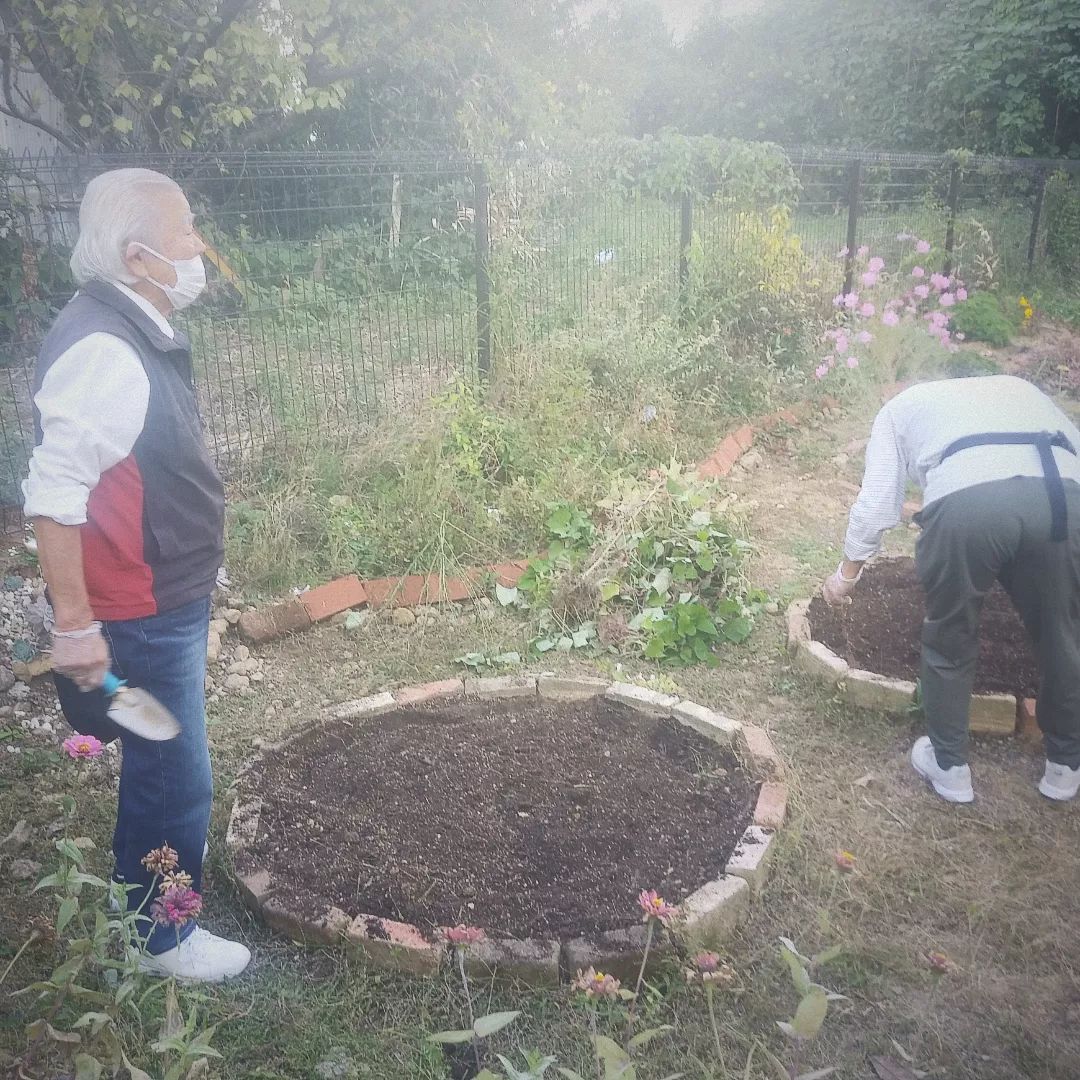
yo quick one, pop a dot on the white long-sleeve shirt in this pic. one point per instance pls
(913, 430)
(93, 403)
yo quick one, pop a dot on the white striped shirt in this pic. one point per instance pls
(913, 430)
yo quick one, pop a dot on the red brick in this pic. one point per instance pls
(334, 597)
(508, 574)
(744, 437)
(718, 464)
(1027, 726)
(443, 590)
(766, 761)
(771, 806)
(268, 623)
(395, 945)
(417, 695)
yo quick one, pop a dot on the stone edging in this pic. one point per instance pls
(710, 914)
(991, 714)
(273, 621)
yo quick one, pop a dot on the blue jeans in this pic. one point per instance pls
(165, 787)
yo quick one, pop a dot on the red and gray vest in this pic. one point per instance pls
(153, 538)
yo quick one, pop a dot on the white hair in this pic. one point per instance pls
(118, 207)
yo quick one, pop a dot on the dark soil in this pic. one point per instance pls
(520, 816)
(881, 631)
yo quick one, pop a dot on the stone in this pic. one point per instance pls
(255, 887)
(7, 679)
(283, 919)
(751, 460)
(820, 662)
(337, 1065)
(402, 617)
(532, 961)
(241, 653)
(25, 670)
(393, 945)
(19, 692)
(329, 928)
(772, 608)
(570, 688)
(219, 626)
(366, 706)
(243, 823)
(615, 952)
(712, 725)
(714, 912)
(771, 808)
(232, 615)
(866, 690)
(992, 714)
(798, 624)
(759, 748)
(501, 686)
(269, 623)
(23, 869)
(751, 858)
(637, 697)
(213, 647)
(355, 621)
(417, 695)
(18, 838)
(237, 683)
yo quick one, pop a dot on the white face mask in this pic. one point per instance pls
(190, 279)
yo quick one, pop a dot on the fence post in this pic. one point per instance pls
(854, 189)
(1036, 216)
(482, 234)
(950, 225)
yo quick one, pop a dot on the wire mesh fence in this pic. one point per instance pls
(346, 287)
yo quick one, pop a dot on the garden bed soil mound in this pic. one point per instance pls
(523, 816)
(881, 630)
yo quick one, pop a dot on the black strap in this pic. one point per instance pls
(1044, 442)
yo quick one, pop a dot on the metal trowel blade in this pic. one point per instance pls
(142, 714)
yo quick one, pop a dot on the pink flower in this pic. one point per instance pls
(176, 906)
(946, 299)
(863, 252)
(922, 247)
(463, 935)
(938, 318)
(939, 281)
(821, 371)
(842, 344)
(656, 907)
(864, 337)
(890, 318)
(161, 860)
(706, 966)
(867, 310)
(851, 300)
(939, 963)
(838, 300)
(921, 291)
(852, 362)
(83, 746)
(876, 265)
(845, 861)
(918, 271)
(869, 279)
(596, 984)
(961, 294)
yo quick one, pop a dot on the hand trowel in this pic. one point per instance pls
(139, 712)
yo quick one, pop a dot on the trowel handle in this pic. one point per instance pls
(112, 683)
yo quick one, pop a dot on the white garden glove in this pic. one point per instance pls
(81, 655)
(837, 588)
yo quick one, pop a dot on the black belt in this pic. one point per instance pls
(1044, 441)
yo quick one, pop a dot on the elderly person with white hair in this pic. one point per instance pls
(128, 511)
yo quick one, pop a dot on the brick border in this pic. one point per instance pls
(991, 714)
(710, 914)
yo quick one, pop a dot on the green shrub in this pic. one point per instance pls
(1063, 223)
(980, 318)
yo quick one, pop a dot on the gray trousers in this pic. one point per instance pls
(1000, 531)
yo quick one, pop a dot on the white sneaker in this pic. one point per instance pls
(112, 905)
(200, 957)
(953, 785)
(1059, 782)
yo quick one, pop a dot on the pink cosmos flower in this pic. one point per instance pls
(921, 291)
(852, 362)
(917, 272)
(864, 337)
(656, 907)
(83, 746)
(939, 281)
(961, 294)
(176, 906)
(946, 299)
(869, 279)
(890, 318)
(851, 300)
(463, 935)
(867, 310)
(863, 251)
(876, 265)
(922, 247)
(821, 371)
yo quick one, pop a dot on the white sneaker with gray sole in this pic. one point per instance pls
(953, 785)
(200, 957)
(1059, 782)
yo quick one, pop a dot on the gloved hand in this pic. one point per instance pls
(81, 655)
(837, 588)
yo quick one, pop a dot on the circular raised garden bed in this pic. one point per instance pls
(536, 809)
(871, 647)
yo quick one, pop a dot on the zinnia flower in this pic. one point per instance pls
(851, 299)
(842, 344)
(917, 272)
(161, 860)
(706, 966)
(939, 962)
(876, 265)
(869, 279)
(939, 281)
(922, 247)
(852, 362)
(946, 299)
(961, 294)
(864, 337)
(174, 907)
(821, 371)
(175, 879)
(845, 861)
(83, 746)
(890, 318)
(867, 310)
(656, 907)
(921, 291)
(463, 935)
(838, 300)
(596, 984)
